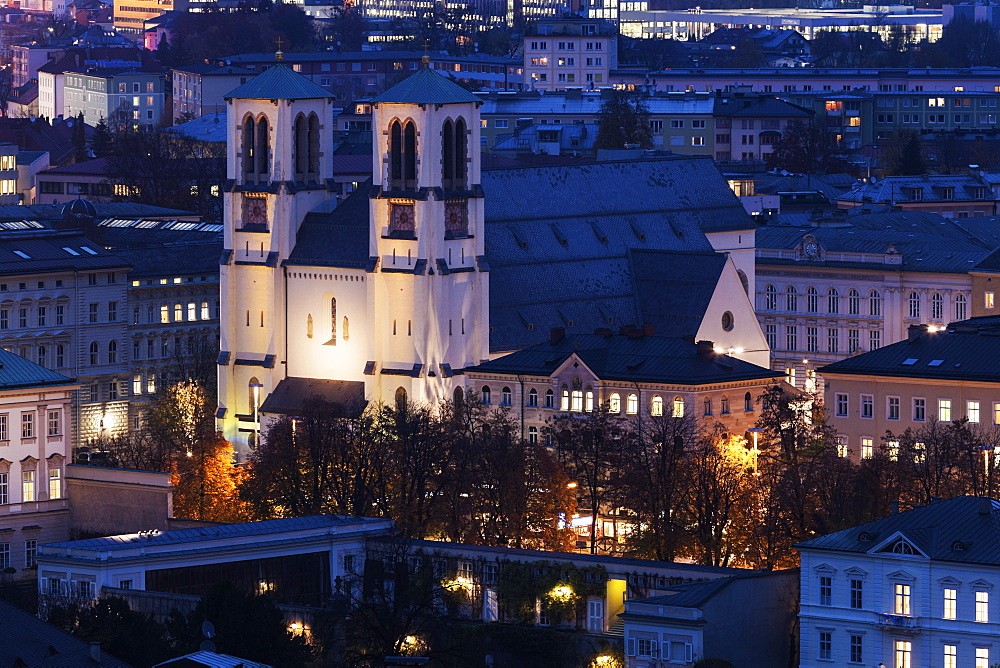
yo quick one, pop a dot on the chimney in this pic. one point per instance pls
(705, 349)
(95, 651)
(648, 330)
(557, 334)
(914, 332)
(985, 505)
(894, 507)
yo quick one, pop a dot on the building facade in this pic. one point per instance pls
(931, 376)
(569, 53)
(35, 446)
(913, 589)
(201, 88)
(98, 94)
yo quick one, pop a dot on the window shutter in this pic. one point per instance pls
(666, 650)
(688, 652)
(630, 647)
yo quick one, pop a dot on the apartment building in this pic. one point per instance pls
(829, 287)
(200, 89)
(958, 196)
(35, 446)
(131, 15)
(934, 374)
(569, 53)
(916, 588)
(98, 93)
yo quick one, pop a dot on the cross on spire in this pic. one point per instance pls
(279, 55)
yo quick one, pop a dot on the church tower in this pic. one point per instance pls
(279, 164)
(430, 289)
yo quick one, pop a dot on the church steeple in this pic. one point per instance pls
(426, 234)
(279, 165)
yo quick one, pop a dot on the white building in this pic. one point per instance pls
(35, 444)
(917, 588)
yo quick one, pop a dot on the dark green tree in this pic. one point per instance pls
(103, 142)
(623, 121)
(131, 636)
(807, 148)
(910, 161)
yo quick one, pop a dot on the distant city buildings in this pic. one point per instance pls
(569, 53)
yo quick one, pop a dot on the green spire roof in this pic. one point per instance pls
(426, 87)
(15, 371)
(278, 83)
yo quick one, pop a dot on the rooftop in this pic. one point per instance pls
(964, 529)
(426, 86)
(968, 350)
(279, 83)
(17, 372)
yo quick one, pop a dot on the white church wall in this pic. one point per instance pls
(740, 328)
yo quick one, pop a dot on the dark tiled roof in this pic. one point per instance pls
(925, 241)
(52, 212)
(426, 86)
(990, 263)
(26, 640)
(211, 69)
(15, 371)
(291, 394)
(770, 107)
(172, 259)
(575, 227)
(95, 167)
(966, 350)
(900, 189)
(48, 253)
(279, 83)
(649, 359)
(934, 529)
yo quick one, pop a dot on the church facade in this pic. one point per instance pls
(389, 295)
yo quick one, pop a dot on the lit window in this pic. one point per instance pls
(678, 411)
(972, 411)
(55, 483)
(982, 657)
(656, 408)
(944, 410)
(951, 656)
(982, 606)
(615, 403)
(867, 447)
(632, 404)
(27, 486)
(901, 599)
(950, 603)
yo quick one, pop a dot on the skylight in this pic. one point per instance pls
(910, 361)
(70, 250)
(22, 254)
(88, 250)
(935, 363)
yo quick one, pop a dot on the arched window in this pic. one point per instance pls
(812, 300)
(791, 299)
(347, 329)
(262, 148)
(564, 404)
(448, 155)
(112, 352)
(333, 321)
(395, 156)
(313, 142)
(249, 136)
(533, 435)
(588, 400)
(400, 399)
(253, 394)
(748, 402)
(961, 307)
(770, 298)
(708, 406)
(550, 399)
(505, 396)
(42, 356)
(309, 326)
(914, 305)
(724, 405)
(678, 407)
(937, 306)
(60, 356)
(458, 398)
(615, 403)
(656, 407)
(410, 156)
(533, 398)
(874, 303)
(832, 301)
(487, 400)
(632, 404)
(94, 352)
(301, 147)
(853, 302)
(461, 153)
(902, 547)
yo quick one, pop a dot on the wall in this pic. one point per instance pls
(115, 501)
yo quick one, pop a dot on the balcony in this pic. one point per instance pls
(898, 623)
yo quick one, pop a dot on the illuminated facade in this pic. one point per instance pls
(131, 15)
(569, 53)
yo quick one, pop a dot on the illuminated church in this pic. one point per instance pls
(435, 266)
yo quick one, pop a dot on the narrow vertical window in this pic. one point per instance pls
(410, 156)
(262, 147)
(333, 322)
(461, 153)
(448, 155)
(395, 156)
(249, 135)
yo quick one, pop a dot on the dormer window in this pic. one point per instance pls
(902, 547)
(947, 192)
(916, 193)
